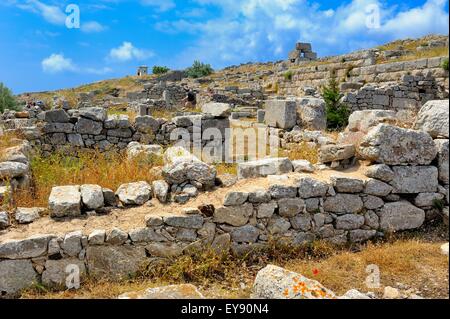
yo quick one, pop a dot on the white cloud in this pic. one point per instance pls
(127, 52)
(161, 5)
(57, 63)
(258, 30)
(52, 14)
(92, 27)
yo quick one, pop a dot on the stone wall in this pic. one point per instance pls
(360, 69)
(92, 128)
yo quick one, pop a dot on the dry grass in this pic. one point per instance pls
(301, 151)
(226, 168)
(109, 170)
(411, 262)
(10, 139)
(123, 110)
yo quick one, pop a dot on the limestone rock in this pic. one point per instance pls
(363, 121)
(400, 216)
(343, 204)
(181, 166)
(92, 196)
(278, 191)
(433, 118)
(349, 222)
(264, 168)
(380, 171)
(10, 170)
(16, 275)
(235, 198)
(178, 292)
(114, 262)
(278, 225)
(354, 294)
(135, 149)
(427, 199)
(93, 113)
(386, 144)
(332, 153)
(443, 160)
(375, 187)
(217, 109)
(57, 271)
(444, 249)
(97, 237)
(161, 190)
(65, 201)
(347, 184)
(34, 246)
(28, 215)
(116, 237)
(134, 193)
(245, 234)
(281, 114)
(311, 113)
(234, 216)
(309, 187)
(164, 250)
(72, 243)
(186, 221)
(415, 179)
(274, 282)
(56, 116)
(303, 166)
(4, 220)
(289, 207)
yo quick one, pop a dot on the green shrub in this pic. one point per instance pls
(7, 99)
(337, 112)
(198, 70)
(160, 69)
(288, 75)
(445, 64)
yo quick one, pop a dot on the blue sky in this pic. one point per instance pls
(38, 52)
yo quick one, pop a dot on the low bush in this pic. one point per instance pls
(445, 64)
(160, 69)
(7, 99)
(198, 70)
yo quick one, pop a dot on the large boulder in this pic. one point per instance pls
(56, 271)
(34, 246)
(4, 220)
(331, 153)
(134, 193)
(311, 113)
(363, 121)
(281, 114)
(93, 113)
(387, 144)
(217, 109)
(65, 201)
(92, 196)
(343, 204)
(16, 275)
(433, 118)
(9, 170)
(264, 167)
(178, 292)
(401, 216)
(56, 116)
(114, 262)
(181, 166)
(274, 282)
(147, 124)
(415, 179)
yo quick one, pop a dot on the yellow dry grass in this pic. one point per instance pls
(108, 170)
(301, 151)
(427, 53)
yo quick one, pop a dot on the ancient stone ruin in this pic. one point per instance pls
(386, 172)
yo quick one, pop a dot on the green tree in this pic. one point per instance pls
(198, 70)
(337, 112)
(7, 99)
(160, 69)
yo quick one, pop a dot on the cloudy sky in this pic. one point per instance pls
(43, 48)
